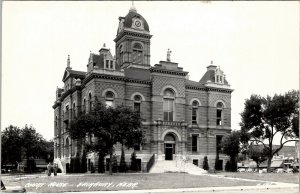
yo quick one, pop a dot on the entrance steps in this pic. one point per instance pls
(179, 166)
(60, 165)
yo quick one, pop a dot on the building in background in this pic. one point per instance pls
(181, 117)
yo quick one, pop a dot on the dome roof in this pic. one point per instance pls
(133, 14)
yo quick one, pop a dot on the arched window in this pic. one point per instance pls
(67, 147)
(137, 53)
(90, 101)
(137, 103)
(168, 104)
(220, 107)
(195, 105)
(74, 110)
(55, 122)
(109, 99)
(63, 149)
(169, 138)
(121, 53)
(55, 150)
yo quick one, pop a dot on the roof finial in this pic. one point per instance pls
(68, 62)
(169, 55)
(132, 8)
(104, 45)
(211, 62)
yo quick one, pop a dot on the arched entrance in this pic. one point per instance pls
(170, 144)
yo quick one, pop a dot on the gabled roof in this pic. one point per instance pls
(73, 73)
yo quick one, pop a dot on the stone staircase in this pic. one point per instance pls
(60, 165)
(180, 166)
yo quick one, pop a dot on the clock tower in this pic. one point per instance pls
(133, 41)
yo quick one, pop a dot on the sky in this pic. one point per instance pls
(256, 44)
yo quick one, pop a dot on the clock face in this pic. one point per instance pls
(137, 23)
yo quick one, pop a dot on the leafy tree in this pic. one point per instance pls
(231, 147)
(11, 151)
(110, 126)
(205, 163)
(257, 154)
(265, 117)
(24, 143)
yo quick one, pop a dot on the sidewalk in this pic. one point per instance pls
(261, 188)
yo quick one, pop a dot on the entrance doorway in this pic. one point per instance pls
(169, 151)
(170, 145)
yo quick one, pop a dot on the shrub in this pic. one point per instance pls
(77, 164)
(115, 164)
(122, 167)
(67, 167)
(133, 165)
(59, 170)
(71, 169)
(228, 166)
(92, 168)
(205, 163)
(233, 166)
(83, 163)
(101, 166)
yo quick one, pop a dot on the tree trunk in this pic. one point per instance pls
(269, 164)
(110, 162)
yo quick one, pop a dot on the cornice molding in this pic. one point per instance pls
(167, 71)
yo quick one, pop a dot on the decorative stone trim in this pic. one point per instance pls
(165, 71)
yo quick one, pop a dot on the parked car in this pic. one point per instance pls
(241, 170)
(279, 170)
(250, 170)
(289, 170)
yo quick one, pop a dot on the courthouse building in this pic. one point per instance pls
(181, 117)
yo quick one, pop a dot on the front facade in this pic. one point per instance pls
(180, 117)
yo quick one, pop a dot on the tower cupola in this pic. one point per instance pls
(133, 41)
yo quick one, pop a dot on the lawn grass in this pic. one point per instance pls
(83, 182)
(273, 177)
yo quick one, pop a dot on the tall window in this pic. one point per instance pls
(109, 99)
(168, 104)
(67, 112)
(67, 148)
(107, 64)
(90, 101)
(84, 106)
(219, 113)
(137, 103)
(137, 53)
(74, 110)
(195, 105)
(121, 54)
(218, 144)
(194, 143)
(56, 129)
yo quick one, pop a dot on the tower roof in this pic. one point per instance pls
(128, 20)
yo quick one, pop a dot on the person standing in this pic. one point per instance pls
(49, 169)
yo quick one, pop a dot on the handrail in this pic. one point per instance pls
(150, 162)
